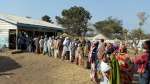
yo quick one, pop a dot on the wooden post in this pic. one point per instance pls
(17, 39)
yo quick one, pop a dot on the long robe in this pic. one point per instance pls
(45, 48)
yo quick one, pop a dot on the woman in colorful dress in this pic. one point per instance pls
(126, 66)
(143, 64)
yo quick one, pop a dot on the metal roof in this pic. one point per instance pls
(13, 19)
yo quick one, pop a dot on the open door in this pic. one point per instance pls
(12, 39)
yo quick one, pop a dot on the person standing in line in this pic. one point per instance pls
(101, 42)
(36, 43)
(45, 47)
(41, 42)
(93, 60)
(79, 54)
(105, 70)
(87, 48)
(56, 47)
(49, 43)
(66, 44)
(21, 41)
(52, 46)
(125, 64)
(27, 38)
(101, 49)
(72, 48)
(60, 46)
(30, 45)
(33, 45)
(87, 51)
(143, 64)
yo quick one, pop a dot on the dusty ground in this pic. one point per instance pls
(28, 68)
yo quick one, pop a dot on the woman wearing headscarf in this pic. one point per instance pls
(126, 66)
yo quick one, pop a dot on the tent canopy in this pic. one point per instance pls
(100, 36)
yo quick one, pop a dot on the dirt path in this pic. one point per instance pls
(28, 68)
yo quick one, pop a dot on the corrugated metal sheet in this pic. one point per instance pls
(6, 25)
(23, 20)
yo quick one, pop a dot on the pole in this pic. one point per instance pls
(17, 39)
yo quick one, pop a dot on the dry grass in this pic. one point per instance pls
(39, 69)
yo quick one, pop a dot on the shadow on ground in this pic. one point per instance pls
(7, 64)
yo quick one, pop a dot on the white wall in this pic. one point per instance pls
(4, 33)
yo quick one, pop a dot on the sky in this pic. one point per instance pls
(125, 10)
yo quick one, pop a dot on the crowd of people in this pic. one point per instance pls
(109, 63)
(61, 47)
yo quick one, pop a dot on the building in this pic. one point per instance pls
(11, 26)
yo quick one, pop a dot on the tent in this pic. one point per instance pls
(100, 36)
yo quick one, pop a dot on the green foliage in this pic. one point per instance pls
(47, 18)
(75, 20)
(147, 36)
(136, 35)
(142, 16)
(111, 28)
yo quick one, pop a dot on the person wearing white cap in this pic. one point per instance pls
(105, 68)
(66, 44)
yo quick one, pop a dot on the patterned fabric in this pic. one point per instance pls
(126, 68)
(142, 61)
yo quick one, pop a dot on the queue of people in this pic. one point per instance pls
(57, 47)
(112, 64)
(109, 63)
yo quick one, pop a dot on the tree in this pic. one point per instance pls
(125, 35)
(47, 18)
(111, 28)
(136, 35)
(147, 36)
(75, 20)
(142, 18)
